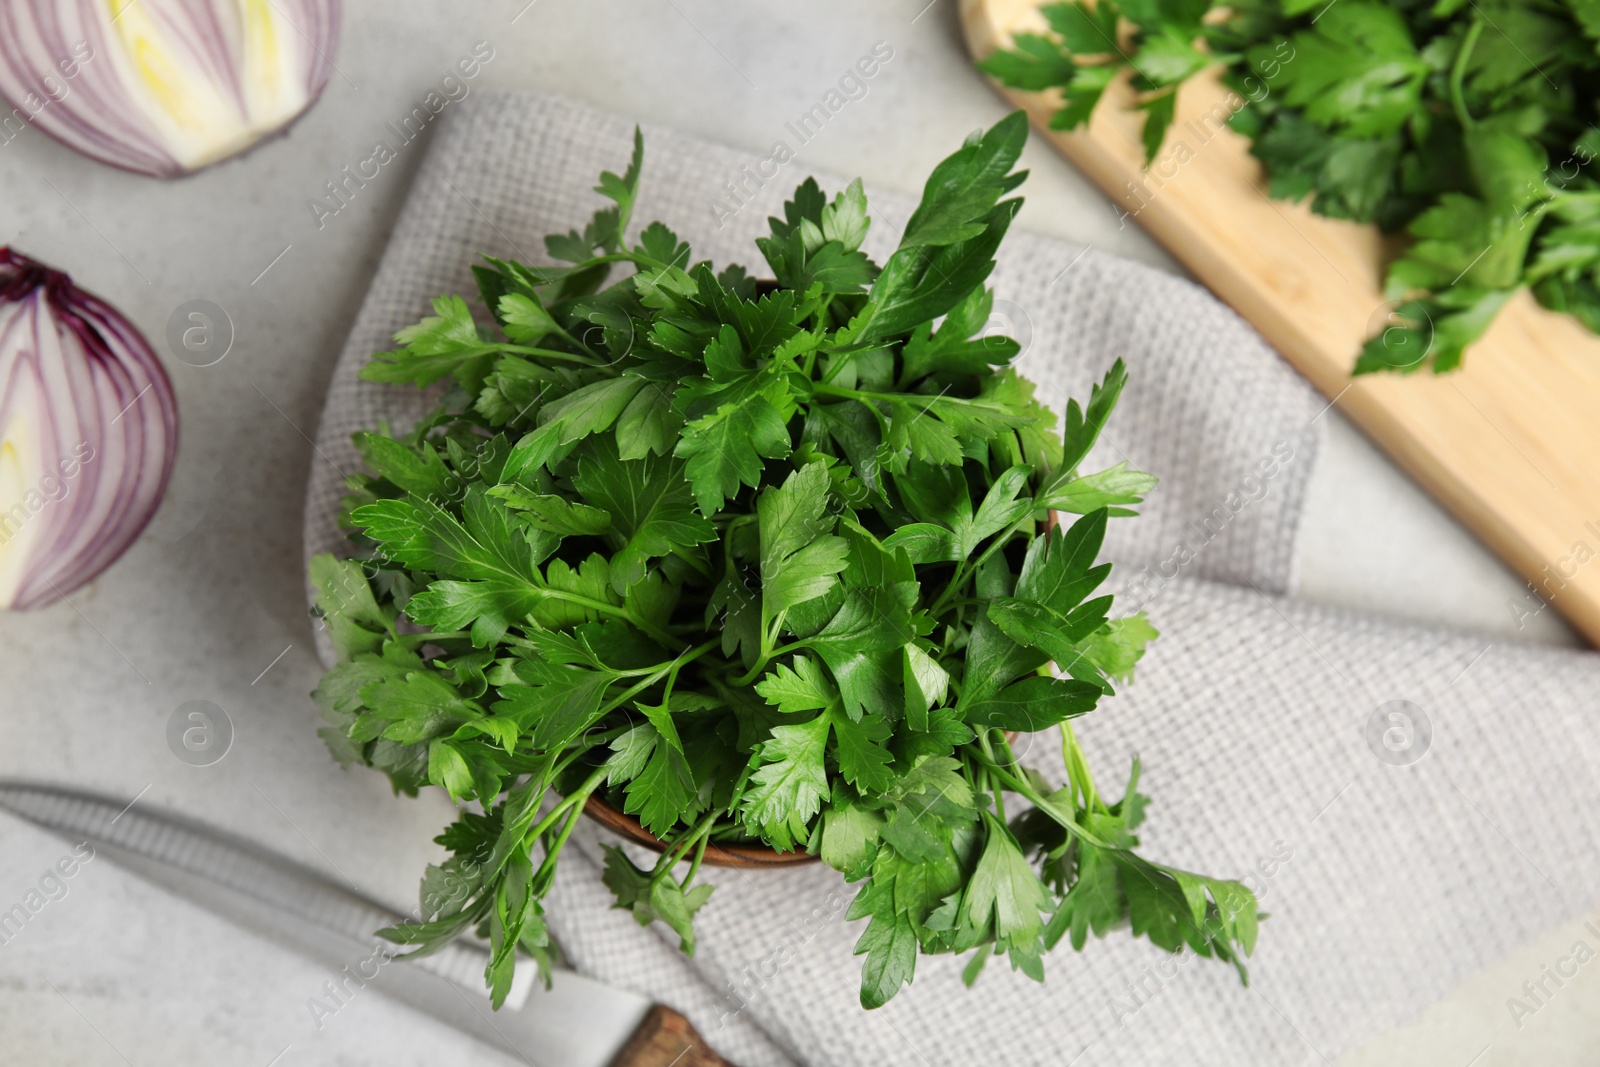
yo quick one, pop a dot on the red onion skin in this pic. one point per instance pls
(32, 47)
(108, 403)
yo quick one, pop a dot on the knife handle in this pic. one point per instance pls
(666, 1039)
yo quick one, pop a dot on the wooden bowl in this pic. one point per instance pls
(745, 856)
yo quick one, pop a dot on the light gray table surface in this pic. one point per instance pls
(209, 603)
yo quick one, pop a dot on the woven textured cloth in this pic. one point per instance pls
(1263, 724)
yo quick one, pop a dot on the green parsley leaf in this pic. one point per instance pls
(787, 790)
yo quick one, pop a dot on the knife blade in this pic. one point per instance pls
(576, 1023)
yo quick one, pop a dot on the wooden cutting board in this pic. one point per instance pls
(1510, 444)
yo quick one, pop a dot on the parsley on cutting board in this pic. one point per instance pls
(1467, 125)
(759, 565)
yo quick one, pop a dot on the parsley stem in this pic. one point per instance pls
(994, 783)
(551, 353)
(965, 567)
(673, 854)
(638, 259)
(1458, 73)
(754, 672)
(820, 316)
(694, 864)
(576, 798)
(541, 878)
(573, 340)
(682, 662)
(673, 665)
(655, 675)
(861, 394)
(769, 634)
(919, 399)
(1077, 766)
(1031, 795)
(603, 608)
(766, 657)
(582, 747)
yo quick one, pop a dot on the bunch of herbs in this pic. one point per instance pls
(755, 564)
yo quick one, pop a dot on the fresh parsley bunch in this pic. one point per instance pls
(1469, 126)
(755, 568)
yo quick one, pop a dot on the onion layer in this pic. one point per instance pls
(162, 87)
(88, 434)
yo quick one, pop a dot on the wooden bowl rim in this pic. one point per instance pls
(742, 856)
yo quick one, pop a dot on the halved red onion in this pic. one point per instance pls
(162, 87)
(88, 433)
